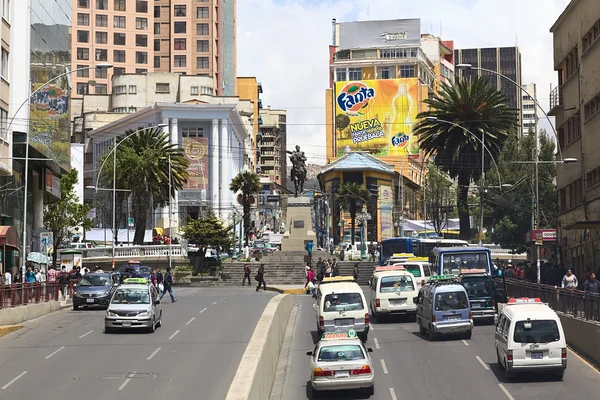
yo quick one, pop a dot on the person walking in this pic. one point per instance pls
(372, 252)
(335, 268)
(159, 281)
(342, 254)
(7, 278)
(355, 272)
(246, 275)
(309, 248)
(320, 269)
(63, 281)
(260, 277)
(569, 281)
(328, 269)
(168, 284)
(592, 285)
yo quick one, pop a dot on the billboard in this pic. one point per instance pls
(385, 212)
(378, 34)
(377, 116)
(195, 150)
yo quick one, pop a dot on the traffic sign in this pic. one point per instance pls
(130, 222)
(272, 199)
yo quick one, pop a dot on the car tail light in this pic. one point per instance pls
(564, 353)
(364, 370)
(366, 318)
(320, 372)
(493, 303)
(321, 321)
(509, 355)
(422, 282)
(433, 318)
(470, 315)
(377, 303)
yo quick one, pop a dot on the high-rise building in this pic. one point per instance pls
(272, 145)
(248, 88)
(575, 104)
(139, 36)
(529, 113)
(503, 60)
(5, 138)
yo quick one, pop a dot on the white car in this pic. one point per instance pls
(392, 292)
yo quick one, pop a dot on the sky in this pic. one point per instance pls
(285, 44)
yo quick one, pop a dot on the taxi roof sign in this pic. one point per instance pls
(418, 259)
(442, 277)
(390, 268)
(402, 255)
(350, 334)
(473, 271)
(135, 281)
(524, 300)
(334, 279)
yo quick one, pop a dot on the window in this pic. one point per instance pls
(202, 12)
(132, 89)
(572, 128)
(83, 36)
(131, 110)
(386, 73)
(536, 331)
(572, 62)
(141, 40)
(101, 4)
(180, 10)
(354, 74)
(101, 38)
(592, 107)
(120, 89)
(528, 106)
(120, 110)
(156, 44)
(101, 55)
(341, 353)
(119, 39)
(82, 88)
(83, 3)
(192, 131)
(84, 73)
(119, 56)
(118, 71)
(340, 74)
(119, 22)
(180, 27)
(407, 71)
(343, 302)
(401, 283)
(156, 61)
(202, 62)
(526, 97)
(156, 11)
(179, 44)
(102, 20)
(120, 5)
(202, 29)
(591, 36)
(102, 73)
(180, 61)
(83, 53)
(141, 71)
(194, 90)
(448, 301)
(162, 88)
(202, 46)
(141, 6)
(206, 90)
(401, 52)
(141, 57)
(141, 24)
(157, 27)
(83, 19)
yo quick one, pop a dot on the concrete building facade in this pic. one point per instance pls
(5, 41)
(529, 112)
(272, 145)
(248, 88)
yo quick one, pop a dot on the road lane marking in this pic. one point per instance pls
(484, 365)
(153, 354)
(376, 343)
(85, 334)
(173, 335)
(371, 327)
(383, 366)
(54, 352)
(465, 342)
(583, 360)
(14, 380)
(190, 321)
(126, 382)
(393, 394)
(214, 303)
(202, 311)
(506, 392)
(223, 298)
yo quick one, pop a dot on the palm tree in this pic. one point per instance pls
(482, 113)
(143, 162)
(352, 196)
(246, 184)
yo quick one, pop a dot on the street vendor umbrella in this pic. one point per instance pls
(38, 258)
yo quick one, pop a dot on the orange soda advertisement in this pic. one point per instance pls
(377, 116)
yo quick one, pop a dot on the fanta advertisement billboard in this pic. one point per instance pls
(377, 116)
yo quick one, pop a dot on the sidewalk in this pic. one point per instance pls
(287, 289)
(11, 318)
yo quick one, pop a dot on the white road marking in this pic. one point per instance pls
(393, 394)
(153, 354)
(190, 321)
(214, 303)
(14, 380)
(173, 335)
(126, 382)
(465, 342)
(202, 311)
(376, 343)
(54, 352)
(85, 334)
(484, 365)
(506, 392)
(383, 366)
(223, 298)
(371, 327)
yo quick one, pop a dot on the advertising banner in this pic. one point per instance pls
(378, 34)
(196, 152)
(385, 212)
(377, 116)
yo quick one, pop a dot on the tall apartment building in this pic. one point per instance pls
(575, 104)
(503, 60)
(248, 88)
(272, 144)
(5, 138)
(529, 112)
(192, 37)
(441, 54)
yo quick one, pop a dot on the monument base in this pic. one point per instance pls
(299, 225)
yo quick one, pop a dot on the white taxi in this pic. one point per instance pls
(393, 289)
(529, 337)
(340, 361)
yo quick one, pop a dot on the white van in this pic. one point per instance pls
(342, 306)
(392, 293)
(530, 337)
(419, 269)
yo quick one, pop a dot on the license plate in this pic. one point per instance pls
(344, 322)
(89, 300)
(452, 318)
(342, 374)
(475, 305)
(397, 301)
(537, 355)
(126, 324)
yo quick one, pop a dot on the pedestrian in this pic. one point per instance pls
(592, 285)
(63, 281)
(309, 248)
(569, 281)
(310, 282)
(29, 276)
(328, 268)
(168, 284)
(372, 251)
(152, 277)
(51, 275)
(7, 278)
(38, 275)
(246, 275)
(306, 271)
(335, 268)
(260, 277)
(159, 281)
(342, 254)
(355, 272)
(320, 269)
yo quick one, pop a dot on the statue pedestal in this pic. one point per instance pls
(298, 225)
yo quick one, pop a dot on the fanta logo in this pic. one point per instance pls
(400, 140)
(354, 96)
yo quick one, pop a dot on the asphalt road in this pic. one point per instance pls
(194, 355)
(409, 367)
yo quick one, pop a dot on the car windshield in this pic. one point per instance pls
(542, 331)
(343, 302)
(454, 262)
(413, 269)
(335, 353)
(402, 283)
(476, 288)
(451, 301)
(95, 280)
(131, 296)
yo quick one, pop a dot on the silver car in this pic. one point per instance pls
(341, 361)
(133, 306)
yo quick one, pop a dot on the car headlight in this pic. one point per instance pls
(106, 293)
(144, 314)
(110, 314)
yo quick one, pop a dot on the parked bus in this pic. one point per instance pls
(417, 247)
(453, 261)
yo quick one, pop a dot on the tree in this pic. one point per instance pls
(352, 196)
(440, 196)
(65, 214)
(459, 118)
(144, 158)
(208, 232)
(245, 184)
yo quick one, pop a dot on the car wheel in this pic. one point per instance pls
(108, 330)
(422, 330)
(430, 334)
(469, 334)
(363, 337)
(75, 307)
(559, 375)
(370, 391)
(316, 394)
(413, 317)
(159, 323)
(152, 327)
(508, 374)
(498, 358)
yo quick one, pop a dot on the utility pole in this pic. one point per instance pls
(401, 199)
(537, 206)
(170, 201)
(482, 190)
(114, 214)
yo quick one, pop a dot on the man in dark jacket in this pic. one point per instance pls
(260, 277)
(592, 285)
(168, 284)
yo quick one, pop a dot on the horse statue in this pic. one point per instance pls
(298, 174)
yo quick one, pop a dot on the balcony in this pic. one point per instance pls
(556, 100)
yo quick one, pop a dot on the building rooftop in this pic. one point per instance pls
(359, 161)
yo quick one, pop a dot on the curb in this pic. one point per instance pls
(286, 291)
(5, 330)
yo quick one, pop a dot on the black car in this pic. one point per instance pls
(133, 271)
(95, 290)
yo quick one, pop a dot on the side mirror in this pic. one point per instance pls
(309, 353)
(157, 302)
(370, 349)
(416, 299)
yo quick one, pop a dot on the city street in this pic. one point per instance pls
(195, 354)
(409, 367)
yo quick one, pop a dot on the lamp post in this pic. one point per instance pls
(170, 210)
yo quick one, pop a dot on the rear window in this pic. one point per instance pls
(402, 283)
(343, 302)
(451, 301)
(478, 287)
(542, 331)
(413, 269)
(341, 353)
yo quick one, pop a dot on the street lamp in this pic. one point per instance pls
(101, 66)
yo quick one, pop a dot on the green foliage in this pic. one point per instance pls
(352, 197)
(246, 184)
(461, 117)
(208, 233)
(440, 196)
(65, 214)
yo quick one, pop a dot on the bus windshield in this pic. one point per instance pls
(453, 263)
(393, 246)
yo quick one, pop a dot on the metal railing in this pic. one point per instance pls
(21, 294)
(584, 305)
(134, 251)
(555, 97)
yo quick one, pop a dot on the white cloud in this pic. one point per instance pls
(285, 45)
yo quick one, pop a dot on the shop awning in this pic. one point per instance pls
(578, 225)
(9, 237)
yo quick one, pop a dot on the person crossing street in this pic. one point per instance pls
(168, 284)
